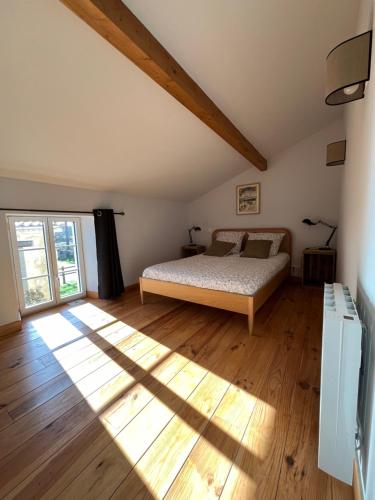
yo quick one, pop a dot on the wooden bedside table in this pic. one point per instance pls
(189, 250)
(319, 266)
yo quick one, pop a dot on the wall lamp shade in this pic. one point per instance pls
(336, 152)
(348, 68)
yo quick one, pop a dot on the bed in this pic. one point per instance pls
(232, 283)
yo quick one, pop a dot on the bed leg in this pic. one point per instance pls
(141, 291)
(250, 315)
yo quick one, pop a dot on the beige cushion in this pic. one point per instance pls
(219, 248)
(257, 249)
(235, 237)
(275, 237)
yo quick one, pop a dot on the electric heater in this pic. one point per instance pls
(341, 357)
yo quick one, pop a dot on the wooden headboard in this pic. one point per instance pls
(286, 244)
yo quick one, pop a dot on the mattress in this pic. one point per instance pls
(232, 273)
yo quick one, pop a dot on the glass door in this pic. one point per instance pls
(48, 260)
(32, 262)
(67, 247)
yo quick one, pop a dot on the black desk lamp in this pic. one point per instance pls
(309, 222)
(193, 228)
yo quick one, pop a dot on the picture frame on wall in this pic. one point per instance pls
(248, 199)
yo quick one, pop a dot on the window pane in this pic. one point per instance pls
(30, 234)
(66, 258)
(64, 233)
(33, 263)
(36, 291)
(69, 283)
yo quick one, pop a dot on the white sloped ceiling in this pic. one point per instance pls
(75, 111)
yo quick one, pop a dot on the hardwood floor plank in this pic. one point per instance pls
(28, 457)
(101, 476)
(159, 466)
(153, 417)
(27, 353)
(98, 388)
(30, 383)
(255, 474)
(5, 419)
(253, 485)
(205, 471)
(167, 400)
(78, 364)
(29, 333)
(18, 338)
(337, 490)
(15, 373)
(300, 477)
(300, 453)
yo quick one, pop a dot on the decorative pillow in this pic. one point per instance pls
(275, 237)
(257, 249)
(219, 248)
(235, 237)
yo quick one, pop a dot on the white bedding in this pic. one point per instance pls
(230, 274)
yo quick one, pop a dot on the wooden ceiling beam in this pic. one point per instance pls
(117, 24)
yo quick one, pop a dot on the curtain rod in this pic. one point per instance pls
(54, 211)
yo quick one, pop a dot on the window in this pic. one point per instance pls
(48, 260)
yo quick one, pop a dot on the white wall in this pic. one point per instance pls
(151, 231)
(89, 252)
(356, 245)
(296, 185)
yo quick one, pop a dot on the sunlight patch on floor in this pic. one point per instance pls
(55, 330)
(260, 432)
(76, 351)
(149, 380)
(238, 478)
(92, 316)
(116, 332)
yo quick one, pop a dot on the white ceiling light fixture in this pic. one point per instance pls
(348, 70)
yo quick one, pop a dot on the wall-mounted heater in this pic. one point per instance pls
(341, 357)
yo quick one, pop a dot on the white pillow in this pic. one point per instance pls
(275, 237)
(233, 237)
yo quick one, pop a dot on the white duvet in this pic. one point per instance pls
(229, 274)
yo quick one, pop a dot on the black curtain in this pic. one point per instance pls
(110, 282)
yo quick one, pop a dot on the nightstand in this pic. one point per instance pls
(189, 250)
(319, 266)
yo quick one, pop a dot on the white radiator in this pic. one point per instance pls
(341, 358)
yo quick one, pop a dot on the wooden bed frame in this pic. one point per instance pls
(244, 304)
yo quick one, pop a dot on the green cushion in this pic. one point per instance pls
(257, 249)
(219, 248)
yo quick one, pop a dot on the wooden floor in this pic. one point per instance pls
(111, 399)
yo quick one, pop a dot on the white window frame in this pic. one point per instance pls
(51, 261)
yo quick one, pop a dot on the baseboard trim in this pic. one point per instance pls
(129, 288)
(295, 280)
(13, 327)
(358, 489)
(95, 295)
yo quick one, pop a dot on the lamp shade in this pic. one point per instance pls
(348, 68)
(336, 152)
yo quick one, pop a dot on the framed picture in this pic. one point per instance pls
(248, 199)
